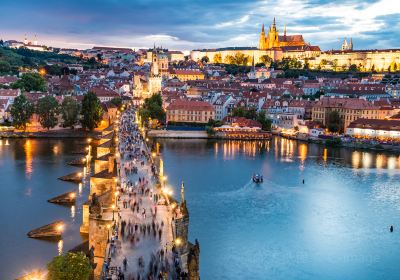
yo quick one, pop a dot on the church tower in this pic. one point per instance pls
(155, 79)
(261, 44)
(154, 62)
(273, 36)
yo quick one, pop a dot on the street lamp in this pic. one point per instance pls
(113, 208)
(116, 197)
(108, 233)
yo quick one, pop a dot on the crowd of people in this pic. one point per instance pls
(139, 246)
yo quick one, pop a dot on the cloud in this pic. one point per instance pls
(241, 20)
(192, 24)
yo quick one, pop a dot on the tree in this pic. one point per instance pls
(266, 60)
(264, 120)
(334, 122)
(5, 67)
(70, 266)
(31, 82)
(117, 101)
(70, 111)
(353, 68)
(334, 64)
(47, 110)
(239, 112)
(205, 59)
(91, 111)
(21, 111)
(217, 58)
(152, 108)
(99, 57)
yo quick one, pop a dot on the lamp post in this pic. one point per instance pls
(108, 233)
(113, 208)
(116, 197)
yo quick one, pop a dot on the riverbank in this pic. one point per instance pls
(67, 133)
(350, 143)
(179, 134)
(182, 134)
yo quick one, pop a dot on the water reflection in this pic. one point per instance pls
(28, 158)
(287, 150)
(73, 211)
(60, 246)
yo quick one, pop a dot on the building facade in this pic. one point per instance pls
(184, 111)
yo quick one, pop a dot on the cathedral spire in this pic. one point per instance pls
(262, 29)
(182, 192)
(284, 30)
(274, 22)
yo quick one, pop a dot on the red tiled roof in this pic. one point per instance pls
(376, 124)
(190, 105)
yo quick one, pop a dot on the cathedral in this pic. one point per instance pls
(270, 44)
(274, 40)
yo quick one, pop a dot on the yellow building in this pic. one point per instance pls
(349, 109)
(184, 111)
(271, 44)
(365, 60)
(186, 74)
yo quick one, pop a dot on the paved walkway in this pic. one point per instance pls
(146, 238)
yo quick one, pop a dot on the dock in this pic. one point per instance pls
(68, 198)
(50, 231)
(75, 177)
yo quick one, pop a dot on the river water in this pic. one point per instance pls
(335, 226)
(29, 169)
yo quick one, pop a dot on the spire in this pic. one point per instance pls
(351, 44)
(262, 29)
(284, 30)
(274, 22)
(182, 192)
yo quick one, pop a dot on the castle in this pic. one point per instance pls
(274, 40)
(271, 44)
(278, 47)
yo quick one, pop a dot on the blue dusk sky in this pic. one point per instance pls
(190, 24)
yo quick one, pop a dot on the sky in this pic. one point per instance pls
(192, 24)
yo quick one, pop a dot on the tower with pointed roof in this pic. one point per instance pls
(261, 44)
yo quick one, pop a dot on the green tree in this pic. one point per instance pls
(47, 110)
(117, 101)
(31, 82)
(5, 67)
(91, 111)
(335, 64)
(266, 60)
(264, 120)
(217, 58)
(70, 266)
(70, 111)
(334, 122)
(21, 111)
(152, 108)
(353, 68)
(239, 112)
(205, 59)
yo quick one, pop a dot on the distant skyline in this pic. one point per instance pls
(186, 25)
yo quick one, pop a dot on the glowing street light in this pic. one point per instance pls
(72, 195)
(113, 209)
(60, 228)
(178, 241)
(108, 232)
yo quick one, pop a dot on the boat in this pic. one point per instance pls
(257, 178)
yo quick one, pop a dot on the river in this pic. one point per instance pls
(29, 169)
(335, 226)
